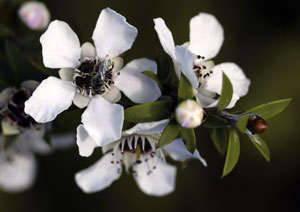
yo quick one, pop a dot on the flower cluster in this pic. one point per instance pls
(139, 113)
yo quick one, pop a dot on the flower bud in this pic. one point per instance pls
(256, 124)
(189, 114)
(35, 15)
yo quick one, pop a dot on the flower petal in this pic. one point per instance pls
(87, 51)
(113, 35)
(148, 128)
(178, 151)
(137, 86)
(30, 85)
(66, 74)
(113, 95)
(18, 171)
(165, 37)
(103, 120)
(206, 35)
(157, 182)
(80, 100)
(60, 46)
(51, 97)
(85, 143)
(186, 59)
(99, 176)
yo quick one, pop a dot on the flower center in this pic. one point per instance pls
(15, 110)
(94, 77)
(202, 68)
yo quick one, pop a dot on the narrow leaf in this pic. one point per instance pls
(214, 121)
(189, 138)
(226, 93)
(261, 146)
(271, 109)
(241, 124)
(185, 89)
(233, 152)
(219, 138)
(169, 134)
(154, 111)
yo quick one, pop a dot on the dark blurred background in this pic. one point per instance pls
(263, 37)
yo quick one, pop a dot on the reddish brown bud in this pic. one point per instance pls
(257, 125)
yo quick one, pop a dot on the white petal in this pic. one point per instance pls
(80, 100)
(60, 46)
(165, 36)
(103, 121)
(137, 86)
(159, 182)
(99, 176)
(186, 59)
(18, 171)
(113, 95)
(206, 35)
(113, 35)
(30, 85)
(178, 151)
(66, 74)
(51, 97)
(85, 143)
(236, 76)
(87, 51)
(118, 64)
(149, 128)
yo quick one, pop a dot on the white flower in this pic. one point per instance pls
(35, 15)
(137, 151)
(193, 59)
(92, 76)
(189, 114)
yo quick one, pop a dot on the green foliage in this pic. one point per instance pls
(271, 109)
(226, 93)
(261, 146)
(241, 124)
(214, 121)
(185, 89)
(233, 152)
(154, 111)
(170, 133)
(189, 138)
(219, 138)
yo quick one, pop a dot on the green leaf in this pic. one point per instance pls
(271, 109)
(154, 77)
(189, 138)
(219, 138)
(169, 134)
(241, 124)
(185, 89)
(214, 121)
(226, 93)
(233, 152)
(154, 111)
(261, 146)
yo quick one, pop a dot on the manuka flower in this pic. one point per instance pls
(193, 59)
(137, 151)
(92, 76)
(21, 137)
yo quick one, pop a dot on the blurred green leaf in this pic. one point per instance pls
(241, 124)
(185, 89)
(5, 31)
(13, 57)
(271, 109)
(214, 121)
(189, 138)
(261, 145)
(169, 134)
(226, 93)
(154, 111)
(219, 138)
(233, 152)
(154, 77)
